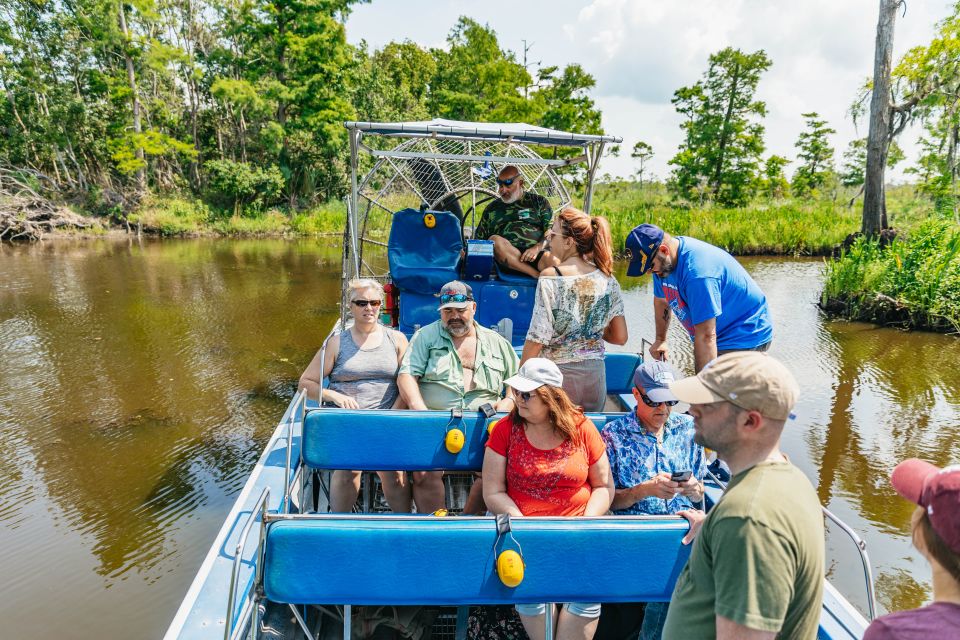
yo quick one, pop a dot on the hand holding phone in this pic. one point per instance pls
(680, 476)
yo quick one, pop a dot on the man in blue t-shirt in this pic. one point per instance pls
(709, 292)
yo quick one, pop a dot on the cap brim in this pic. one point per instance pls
(692, 391)
(909, 476)
(520, 383)
(661, 395)
(635, 268)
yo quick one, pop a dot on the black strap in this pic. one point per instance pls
(557, 269)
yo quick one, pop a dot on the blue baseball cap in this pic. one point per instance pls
(654, 376)
(642, 243)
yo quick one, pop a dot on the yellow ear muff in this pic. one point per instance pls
(491, 425)
(510, 568)
(429, 220)
(454, 440)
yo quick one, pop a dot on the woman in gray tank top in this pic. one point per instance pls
(361, 364)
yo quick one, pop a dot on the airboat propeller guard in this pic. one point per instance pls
(446, 165)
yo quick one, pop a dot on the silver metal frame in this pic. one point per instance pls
(230, 631)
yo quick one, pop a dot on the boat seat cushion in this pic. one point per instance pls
(379, 440)
(620, 368)
(408, 560)
(422, 257)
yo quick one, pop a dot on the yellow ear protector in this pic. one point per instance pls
(491, 425)
(454, 439)
(510, 565)
(429, 220)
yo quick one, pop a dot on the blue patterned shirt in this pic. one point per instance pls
(636, 457)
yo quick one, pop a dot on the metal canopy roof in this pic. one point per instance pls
(518, 132)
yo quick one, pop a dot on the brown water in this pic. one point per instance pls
(139, 381)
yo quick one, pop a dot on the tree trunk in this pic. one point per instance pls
(881, 112)
(721, 148)
(135, 100)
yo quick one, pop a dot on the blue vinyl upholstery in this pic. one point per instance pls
(620, 368)
(423, 259)
(450, 561)
(401, 440)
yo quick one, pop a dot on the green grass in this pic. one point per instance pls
(181, 216)
(913, 282)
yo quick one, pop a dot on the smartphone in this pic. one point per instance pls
(680, 476)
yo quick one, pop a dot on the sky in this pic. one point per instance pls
(641, 51)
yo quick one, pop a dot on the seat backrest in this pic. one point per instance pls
(422, 257)
(397, 440)
(620, 368)
(450, 561)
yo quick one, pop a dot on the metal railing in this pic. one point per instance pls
(261, 506)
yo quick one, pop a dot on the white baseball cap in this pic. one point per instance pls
(535, 373)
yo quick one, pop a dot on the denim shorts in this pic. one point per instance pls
(581, 609)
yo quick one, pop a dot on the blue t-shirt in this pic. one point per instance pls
(636, 456)
(709, 283)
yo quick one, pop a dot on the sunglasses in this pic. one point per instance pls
(525, 395)
(650, 403)
(363, 303)
(454, 297)
(508, 181)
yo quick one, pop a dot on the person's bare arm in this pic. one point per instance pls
(729, 630)
(530, 350)
(507, 402)
(410, 392)
(312, 378)
(601, 483)
(616, 331)
(495, 484)
(661, 319)
(704, 343)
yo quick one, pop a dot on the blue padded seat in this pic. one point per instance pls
(620, 368)
(513, 277)
(450, 561)
(418, 309)
(422, 259)
(403, 440)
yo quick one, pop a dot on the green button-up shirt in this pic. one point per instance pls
(433, 358)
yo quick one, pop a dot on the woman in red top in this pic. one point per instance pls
(547, 459)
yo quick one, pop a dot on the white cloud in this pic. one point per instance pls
(641, 51)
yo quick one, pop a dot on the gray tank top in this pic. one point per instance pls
(367, 375)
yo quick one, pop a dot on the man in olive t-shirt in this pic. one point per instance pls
(756, 567)
(517, 223)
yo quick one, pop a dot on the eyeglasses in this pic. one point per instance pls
(650, 403)
(508, 181)
(525, 395)
(558, 235)
(363, 303)
(455, 297)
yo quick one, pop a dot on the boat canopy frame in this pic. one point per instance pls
(434, 164)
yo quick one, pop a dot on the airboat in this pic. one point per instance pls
(282, 567)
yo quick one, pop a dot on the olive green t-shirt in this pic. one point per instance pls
(757, 560)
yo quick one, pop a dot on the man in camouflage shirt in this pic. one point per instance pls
(517, 223)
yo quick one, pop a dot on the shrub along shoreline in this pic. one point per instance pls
(913, 282)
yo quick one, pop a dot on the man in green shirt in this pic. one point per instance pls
(454, 363)
(756, 567)
(517, 223)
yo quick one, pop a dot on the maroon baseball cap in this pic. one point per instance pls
(936, 490)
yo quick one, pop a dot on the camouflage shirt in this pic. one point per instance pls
(523, 223)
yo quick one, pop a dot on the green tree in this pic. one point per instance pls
(477, 80)
(775, 183)
(641, 153)
(815, 155)
(723, 141)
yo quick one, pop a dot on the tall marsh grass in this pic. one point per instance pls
(914, 281)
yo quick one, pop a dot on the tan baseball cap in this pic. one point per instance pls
(748, 379)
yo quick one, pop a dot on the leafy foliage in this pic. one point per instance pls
(815, 155)
(720, 154)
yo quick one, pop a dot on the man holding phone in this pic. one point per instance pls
(657, 467)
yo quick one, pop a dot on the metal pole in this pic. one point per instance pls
(354, 212)
(593, 161)
(548, 622)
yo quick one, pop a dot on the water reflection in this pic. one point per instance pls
(139, 382)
